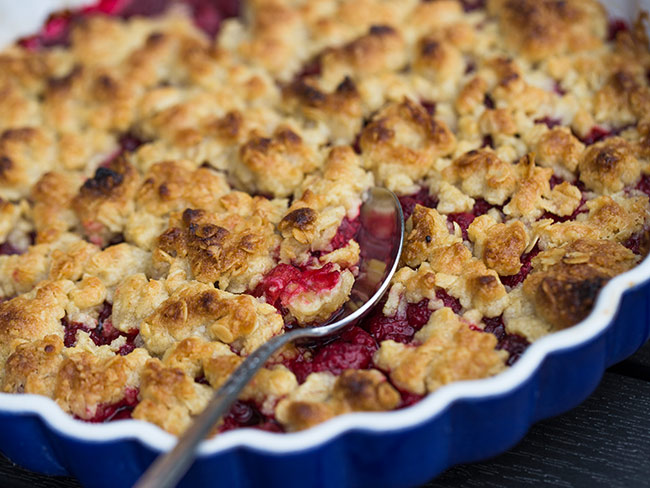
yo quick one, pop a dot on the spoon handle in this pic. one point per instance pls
(167, 470)
(381, 238)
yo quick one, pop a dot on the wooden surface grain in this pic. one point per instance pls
(605, 442)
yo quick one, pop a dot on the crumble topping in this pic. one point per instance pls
(441, 347)
(564, 284)
(401, 142)
(169, 397)
(323, 395)
(175, 192)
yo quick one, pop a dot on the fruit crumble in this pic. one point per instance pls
(181, 181)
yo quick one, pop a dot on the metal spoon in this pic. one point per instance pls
(380, 239)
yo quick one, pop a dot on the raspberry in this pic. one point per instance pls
(449, 301)
(241, 414)
(417, 314)
(409, 398)
(6, 248)
(557, 88)
(390, 328)
(346, 231)
(644, 184)
(353, 349)
(639, 243)
(463, 219)
(469, 5)
(513, 343)
(338, 356)
(555, 180)
(118, 410)
(596, 134)
(488, 141)
(549, 121)
(481, 207)
(616, 26)
(275, 285)
(103, 334)
(526, 266)
(422, 197)
(429, 106)
(356, 335)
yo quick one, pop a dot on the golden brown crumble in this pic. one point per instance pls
(565, 287)
(157, 187)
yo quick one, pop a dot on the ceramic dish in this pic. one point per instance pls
(461, 422)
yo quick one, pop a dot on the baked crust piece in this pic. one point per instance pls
(540, 29)
(233, 247)
(567, 280)
(402, 141)
(170, 201)
(446, 350)
(323, 396)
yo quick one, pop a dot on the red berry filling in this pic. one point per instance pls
(464, 219)
(429, 106)
(596, 134)
(129, 142)
(639, 243)
(470, 5)
(202, 380)
(418, 313)
(353, 349)
(285, 281)
(556, 180)
(481, 207)
(513, 343)
(565, 218)
(408, 398)
(634, 243)
(644, 184)
(549, 121)
(557, 88)
(6, 248)
(488, 141)
(207, 15)
(422, 197)
(103, 334)
(246, 414)
(309, 69)
(346, 231)
(402, 327)
(526, 266)
(488, 101)
(449, 301)
(118, 410)
(616, 26)
(55, 32)
(385, 328)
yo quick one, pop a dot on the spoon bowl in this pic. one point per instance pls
(380, 238)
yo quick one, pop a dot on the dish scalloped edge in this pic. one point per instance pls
(436, 405)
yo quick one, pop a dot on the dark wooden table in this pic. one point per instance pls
(605, 442)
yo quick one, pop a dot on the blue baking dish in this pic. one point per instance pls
(461, 422)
